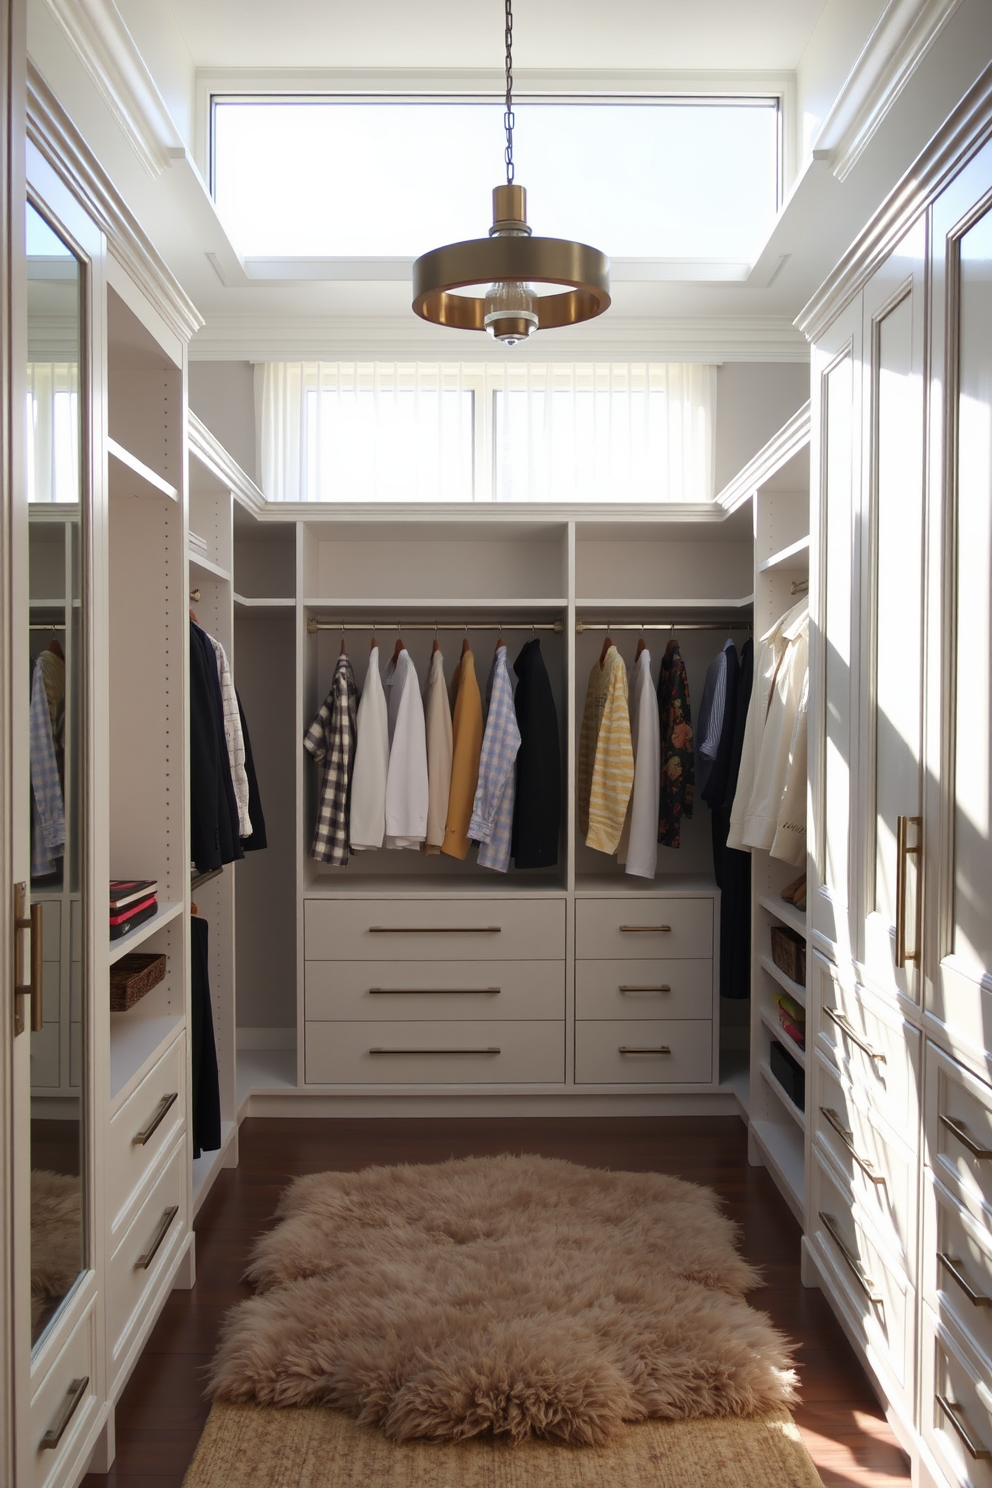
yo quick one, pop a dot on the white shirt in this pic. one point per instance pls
(638, 848)
(439, 752)
(407, 788)
(368, 781)
(233, 737)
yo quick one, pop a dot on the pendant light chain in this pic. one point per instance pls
(508, 119)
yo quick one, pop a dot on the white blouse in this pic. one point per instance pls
(368, 782)
(638, 848)
(407, 787)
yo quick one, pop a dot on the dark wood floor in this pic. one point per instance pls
(162, 1411)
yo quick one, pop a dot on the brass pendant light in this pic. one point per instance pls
(510, 262)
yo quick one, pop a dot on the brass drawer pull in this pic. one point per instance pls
(847, 1138)
(852, 1034)
(951, 1267)
(904, 851)
(435, 991)
(144, 1261)
(854, 1265)
(631, 1049)
(662, 988)
(955, 1416)
(164, 1107)
(75, 1393)
(964, 1137)
(436, 1051)
(646, 929)
(435, 929)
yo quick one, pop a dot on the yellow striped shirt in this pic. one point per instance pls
(606, 756)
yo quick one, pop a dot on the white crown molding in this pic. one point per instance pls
(54, 134)
(901, 39)
(97, 34)
(710, 339)
(206, 448)
(964, 131)
(790, 439)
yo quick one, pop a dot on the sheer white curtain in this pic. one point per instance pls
(604, 432)
(53, 431)
(367, 431)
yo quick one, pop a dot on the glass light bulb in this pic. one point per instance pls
(510, 311)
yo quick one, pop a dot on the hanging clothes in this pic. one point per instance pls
(233, 737)
(715, 788)
(491, 823)
(368, 789)
(677, 759)
(406, 774)
(257, 840)
(606, 755)
(52, 664)
(331, 740)
(709, 718)
(214, 824)
(465, 752)
(638, 850)
(204, 1080)
(732, 867)
(537, 805)
(439, 754)
(47, 802)
(789, 843)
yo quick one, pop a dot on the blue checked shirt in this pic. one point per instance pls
(48, 836)
(492, 810)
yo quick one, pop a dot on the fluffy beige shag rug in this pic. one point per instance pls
(517, 1296)
(56, 1239)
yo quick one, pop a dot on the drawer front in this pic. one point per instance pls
(64, 1404)
(872, 1290)
(958, 1261)
(956, 1414)
(643, 928)
(437, 991)
(875, 1050)
(958, 1119)
(144, 1130)
(434, 930)
(879, 1169)
(665, 1051)
(666, 989)
(147, 1248)
(46, 1057)
(427, 1053)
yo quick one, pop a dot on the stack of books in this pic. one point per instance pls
(132, 902)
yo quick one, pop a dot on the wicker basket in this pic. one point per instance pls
(789, 953)
(132, 976)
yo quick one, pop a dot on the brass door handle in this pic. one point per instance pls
(853, 1264)
(904, 851)
(33, 988)
(646, 929)
(951, 1267)
(436, 1051)
(435, 991)
(955, 1416)
(144, 1261)
(435, 929)
(634, 1049)
(852, 1034)
(663, 988)
(847, 1137)
(75, 1393)
(164, 1107)
(964, 1136)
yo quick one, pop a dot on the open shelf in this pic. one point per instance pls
(206, 1167)
(166, 912)
(786, 983)
(265, 1069)
(799, 1117)
(785, 555)
(786, 912)
(141, 479)
(781, 1144)
(631, 608)
(134, 1043)
(205, 566)
(263, 604)
(735, 1075)
(781, 1037)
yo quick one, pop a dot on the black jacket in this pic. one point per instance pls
(537, 808)
(213, 807)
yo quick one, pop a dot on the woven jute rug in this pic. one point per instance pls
(252, 1446)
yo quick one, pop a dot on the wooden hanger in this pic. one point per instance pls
(466, 648)
(642, 645)
(437, 645)
(400, 646)
(55, 647)
(499, 642)
(607, 643)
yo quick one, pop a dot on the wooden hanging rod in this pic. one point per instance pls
(313, 625)
(733, 622)
(40, 625)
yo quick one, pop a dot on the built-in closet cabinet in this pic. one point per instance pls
(899, 1223)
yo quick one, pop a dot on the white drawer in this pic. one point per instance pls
(872, 1290)
(434, 990)
(434, 930)
(643, 927)
(51, 991)
(51, 927)
(435, 1053)
(664, 1051)
(957, 1262)
(46, 1057)
(874, 1049)
(956, 1406)
(144, 1130)
(879, 1169)
(666, 989)
(958, 1121)
(148, 1247)
(64, 1403)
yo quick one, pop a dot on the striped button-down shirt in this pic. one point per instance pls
(48, 838)
(492, 810)
(331, 741)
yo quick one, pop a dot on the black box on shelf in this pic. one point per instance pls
(789, 1074)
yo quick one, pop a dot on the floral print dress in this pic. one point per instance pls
(677, 756)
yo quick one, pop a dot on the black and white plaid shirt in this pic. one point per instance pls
(331, 740)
